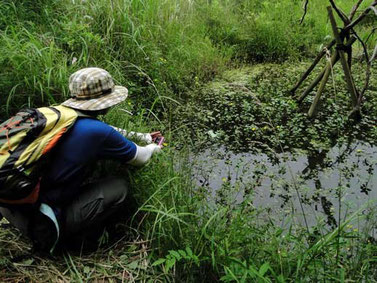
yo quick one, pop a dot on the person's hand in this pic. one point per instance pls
(154, 148)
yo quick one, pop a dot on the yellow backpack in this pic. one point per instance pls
(25, 141)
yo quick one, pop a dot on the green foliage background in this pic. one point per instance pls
(155, 48)
(163, 52)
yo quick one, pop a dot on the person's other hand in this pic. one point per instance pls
(154, 148)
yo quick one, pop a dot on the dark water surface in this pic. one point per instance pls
(325, 186)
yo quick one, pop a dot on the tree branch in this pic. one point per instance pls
(354, 9)
(367, 72)
(312, 66)
(347, 72)
(340, 13)
(371, 33)
(374, 54)
(374, 29)
(305, 11)
(361, 17)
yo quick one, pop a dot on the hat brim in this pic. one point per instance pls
(119, 94)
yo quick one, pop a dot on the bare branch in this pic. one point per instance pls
(367, 72)
(371, 33)
(354, 9)
(374, 54)
(346, 69)
(349, 56)
(373, 8)
(305, 11)
(361, 17)
(365, 49)
(334, 60)
(340, 13)
(374, 29)
(310, 69)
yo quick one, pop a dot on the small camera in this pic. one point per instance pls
(159, 140)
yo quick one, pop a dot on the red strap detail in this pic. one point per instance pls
(30, 199)
(10, 125)
(54, 141)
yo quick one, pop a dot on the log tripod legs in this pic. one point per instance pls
(324, 75)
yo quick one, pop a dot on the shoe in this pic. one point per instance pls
(44, 230)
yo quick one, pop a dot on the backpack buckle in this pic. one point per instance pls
(20, 168)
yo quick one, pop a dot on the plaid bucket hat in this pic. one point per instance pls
(94, 89)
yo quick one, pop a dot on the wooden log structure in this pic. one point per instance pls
(342, 49)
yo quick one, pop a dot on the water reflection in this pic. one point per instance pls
(326, 185)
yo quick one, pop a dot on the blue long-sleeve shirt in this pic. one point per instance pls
(87, 141)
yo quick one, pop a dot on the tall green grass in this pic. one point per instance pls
(179, 232)
(195, 236)
(196, 241)
(151, 47)
(162, 50)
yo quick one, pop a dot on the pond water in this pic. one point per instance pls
(325, 186)
(331, 174)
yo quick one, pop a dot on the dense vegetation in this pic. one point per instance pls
(166, 52)
(157, 49)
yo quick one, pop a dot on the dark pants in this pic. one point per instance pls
(96, 205)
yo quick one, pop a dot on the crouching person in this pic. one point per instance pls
(68, 205)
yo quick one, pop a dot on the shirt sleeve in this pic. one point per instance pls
(116, 146)
(145, 137)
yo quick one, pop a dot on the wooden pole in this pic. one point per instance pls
(340, 13)
(354, 9)
(345, 30)
(326, 75)
(346, 69)
(334, 60)
(360, 18)
(312, 66)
